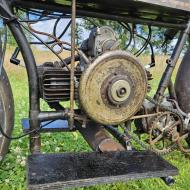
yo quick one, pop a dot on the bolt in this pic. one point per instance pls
(121, 92)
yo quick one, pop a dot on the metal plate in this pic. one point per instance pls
(58, 171)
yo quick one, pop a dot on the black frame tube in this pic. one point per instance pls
(171, 63)
(34, 103)
(85, 13)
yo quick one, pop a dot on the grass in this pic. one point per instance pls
(13, 171)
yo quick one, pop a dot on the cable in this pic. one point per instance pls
(128, 28)
(54, 33)
(152, 64)
(36, 12)
(147, 41)
(24, 135)
(45, 45)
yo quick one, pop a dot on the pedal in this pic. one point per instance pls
(56, 126)
(71, 170)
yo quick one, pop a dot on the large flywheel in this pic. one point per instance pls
(112, 88)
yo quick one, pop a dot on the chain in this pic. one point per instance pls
(149, 147)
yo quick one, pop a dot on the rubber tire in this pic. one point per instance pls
(7, 116)
(182, 85)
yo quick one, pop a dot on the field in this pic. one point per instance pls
(13, 171)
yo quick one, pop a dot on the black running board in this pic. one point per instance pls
(58, 171)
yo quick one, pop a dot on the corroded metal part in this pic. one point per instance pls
(98, 138)
(183, 143)
(112, 88)
(165, 132)
(72, 69)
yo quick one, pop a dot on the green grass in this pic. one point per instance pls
(13, 171)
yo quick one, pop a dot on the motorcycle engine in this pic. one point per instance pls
(109, 90)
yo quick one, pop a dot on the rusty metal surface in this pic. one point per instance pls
(101, 76)
(98, 138)
(72, 69)
(165, 132)
(69, 170)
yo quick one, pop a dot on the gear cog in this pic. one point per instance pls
(165, 132)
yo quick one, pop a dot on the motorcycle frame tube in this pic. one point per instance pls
(171, 63)
(34, 103)
(87, 13)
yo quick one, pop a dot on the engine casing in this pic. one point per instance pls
(55, 83)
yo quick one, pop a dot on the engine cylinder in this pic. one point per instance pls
(55, 84)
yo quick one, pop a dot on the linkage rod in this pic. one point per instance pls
(72, 69)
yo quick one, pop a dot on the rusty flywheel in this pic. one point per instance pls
(112, 88)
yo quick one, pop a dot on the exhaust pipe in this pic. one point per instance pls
(98, 138)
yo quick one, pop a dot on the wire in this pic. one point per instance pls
(128, 28)
(44, 15)
(152, 64)
(37, 20)
(54, 34)
(45, 45)
(147, 41)
(24, 135)
(36, 12)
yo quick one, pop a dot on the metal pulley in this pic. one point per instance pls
(113, 88)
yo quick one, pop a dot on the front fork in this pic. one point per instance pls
(31, 68)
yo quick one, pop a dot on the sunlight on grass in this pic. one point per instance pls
(13, 171)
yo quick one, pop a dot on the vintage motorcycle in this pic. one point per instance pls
(108, 84)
